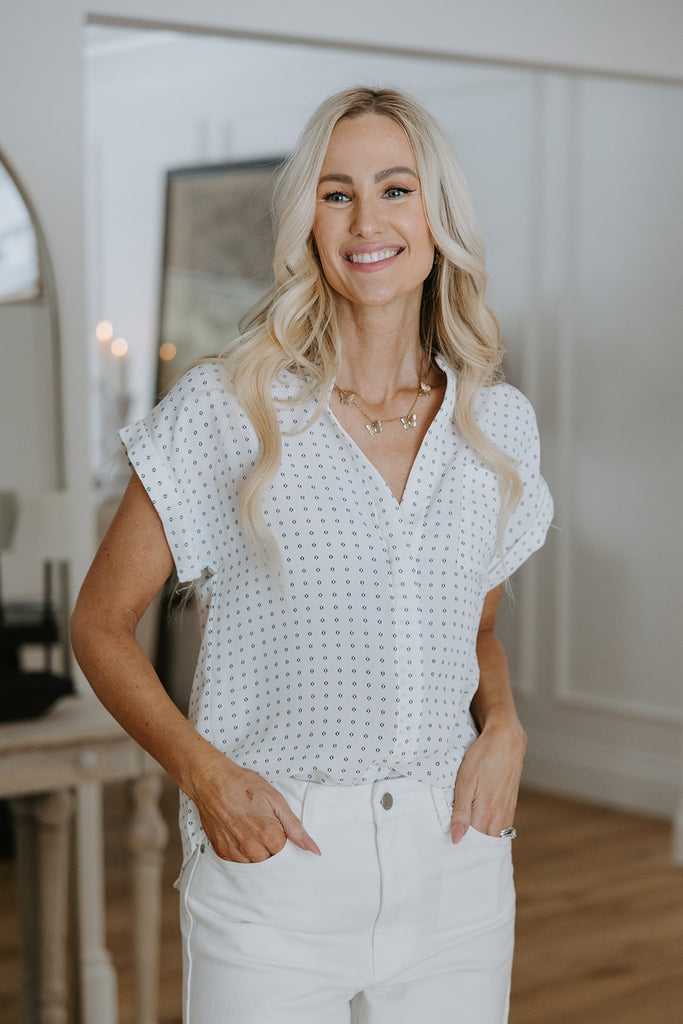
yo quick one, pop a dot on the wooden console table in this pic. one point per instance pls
(52, 769)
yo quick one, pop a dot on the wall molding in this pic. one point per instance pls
(562, 110)
(562, 120)
(527, 685)
(618, 707)
(645, 783)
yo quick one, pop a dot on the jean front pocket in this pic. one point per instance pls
(247, 866)
(259, 892)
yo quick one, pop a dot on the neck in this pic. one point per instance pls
(381, 354)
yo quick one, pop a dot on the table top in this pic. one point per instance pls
(75, 743)
(73, 719)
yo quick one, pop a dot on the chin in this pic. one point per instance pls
(375, 294)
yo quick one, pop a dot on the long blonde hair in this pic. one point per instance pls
(294, 328)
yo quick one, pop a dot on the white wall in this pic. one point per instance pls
(609, 730)
(601, 614)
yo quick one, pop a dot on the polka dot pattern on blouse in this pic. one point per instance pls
(359, 664)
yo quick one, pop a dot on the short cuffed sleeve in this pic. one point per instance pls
(514, 429)
(175, 450)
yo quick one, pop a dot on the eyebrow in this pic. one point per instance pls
(346, 179)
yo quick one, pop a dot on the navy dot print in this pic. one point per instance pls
(359, 662)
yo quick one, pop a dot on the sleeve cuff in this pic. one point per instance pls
(168, 500)
(530, 541)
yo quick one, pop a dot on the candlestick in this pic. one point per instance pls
(119, 349)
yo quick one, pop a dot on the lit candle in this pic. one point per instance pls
(167, 352)
(104, 331)
(119, 349)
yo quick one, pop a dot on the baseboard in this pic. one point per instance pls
(644, 783)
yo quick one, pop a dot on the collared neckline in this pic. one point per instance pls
(408, 505)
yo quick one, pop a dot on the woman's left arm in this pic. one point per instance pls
(488, 780)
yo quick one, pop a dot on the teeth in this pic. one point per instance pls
(372, 257)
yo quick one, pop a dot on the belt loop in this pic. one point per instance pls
(304, 801)
(442, 806)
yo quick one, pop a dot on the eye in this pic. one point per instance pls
(396, 191)
(336, 197)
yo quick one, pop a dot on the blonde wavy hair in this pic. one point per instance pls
(294, 327)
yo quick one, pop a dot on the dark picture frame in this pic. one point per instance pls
(217, 258)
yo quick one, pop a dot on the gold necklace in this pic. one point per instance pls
(374, 425)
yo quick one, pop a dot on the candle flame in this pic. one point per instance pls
(104, 331)
(167, 351)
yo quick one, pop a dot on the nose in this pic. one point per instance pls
(367, 216)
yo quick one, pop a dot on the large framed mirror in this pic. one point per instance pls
(32, 465)
(574, 177)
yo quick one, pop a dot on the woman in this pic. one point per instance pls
(347, 489)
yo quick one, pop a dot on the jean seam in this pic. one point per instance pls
(193, 866)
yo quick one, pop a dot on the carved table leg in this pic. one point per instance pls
(678, 835)
(27, 873)
(43, 839)
(148, 837)
(99, 1004)
(53, 817)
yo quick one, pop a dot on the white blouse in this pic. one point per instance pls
(359, 664)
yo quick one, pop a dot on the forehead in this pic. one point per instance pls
(371, 141)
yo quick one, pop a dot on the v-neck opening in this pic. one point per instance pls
(448, 399)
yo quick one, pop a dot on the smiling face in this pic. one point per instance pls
(370, 227)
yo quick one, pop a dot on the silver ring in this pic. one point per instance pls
(508, 833)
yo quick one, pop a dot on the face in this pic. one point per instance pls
(370, 227)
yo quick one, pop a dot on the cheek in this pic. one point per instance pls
(423, 245)
(321, 239)
(422, 229)
(325, 244)
(416, 229)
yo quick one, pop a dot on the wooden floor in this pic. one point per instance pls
(600, 919)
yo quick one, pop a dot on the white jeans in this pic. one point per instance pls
(392, 925)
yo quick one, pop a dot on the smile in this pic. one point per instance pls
(372, 257)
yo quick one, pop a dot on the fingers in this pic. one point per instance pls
(463, 799)
(295, 830)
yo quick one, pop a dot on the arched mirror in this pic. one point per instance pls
(32, 457)
(20, 278)
(32, 449)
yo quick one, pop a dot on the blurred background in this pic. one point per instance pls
(567, 121)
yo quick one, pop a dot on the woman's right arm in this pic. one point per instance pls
(245, 818)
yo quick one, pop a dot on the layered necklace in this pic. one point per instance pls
(375, 425)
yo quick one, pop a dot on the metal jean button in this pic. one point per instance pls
(387, 801)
